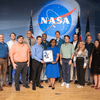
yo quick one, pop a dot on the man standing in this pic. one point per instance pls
(37, 62)
(66, 56)
(75, 44)
(3, 60)
(30, 42)
(20, 57)
(88, 75)
(59, 43)
(10, 67)
(45, 44)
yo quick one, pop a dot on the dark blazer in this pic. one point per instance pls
(76, 44)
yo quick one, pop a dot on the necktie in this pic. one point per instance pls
(30, 42)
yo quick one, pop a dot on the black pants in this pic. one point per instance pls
(21, 68)
(36, 72)
(30, 77)
(80, 70)
(10, 69)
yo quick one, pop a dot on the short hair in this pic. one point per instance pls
(67, 36)
(20, 36)
(57, 32)
(38, 37)
(89, 35)
(1, 34)
(53, 40)
(75, 34)
(12, 33)
(44, 34)
(98, 32)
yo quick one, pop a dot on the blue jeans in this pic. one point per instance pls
(66, 70)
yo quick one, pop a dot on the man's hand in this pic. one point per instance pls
(70, 62)
(8, 62)
(84, 67)
(14, 65)
(28, 64)
(42, 61)
(0, 66)
(53, 62)
(61, 62)
(75, 65)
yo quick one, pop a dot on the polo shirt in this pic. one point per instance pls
(45, 45)
(3, 50)
(67, 50)
(19, 52)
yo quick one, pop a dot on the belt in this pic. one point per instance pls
(21, 62)
(80, 58)
(3, 58)
(66, 58)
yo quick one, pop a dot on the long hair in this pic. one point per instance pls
(94, 47)
(82, 49)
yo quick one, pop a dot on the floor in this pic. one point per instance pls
(60, 93)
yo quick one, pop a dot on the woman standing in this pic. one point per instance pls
(80, 62)
(95, 64)
(52, 69)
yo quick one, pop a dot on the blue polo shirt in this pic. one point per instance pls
(3, 50)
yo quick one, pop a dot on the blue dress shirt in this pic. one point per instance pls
(37, 52)
(3, 50)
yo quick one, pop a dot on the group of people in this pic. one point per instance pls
(72, 61)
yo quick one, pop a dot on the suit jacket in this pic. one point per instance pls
(26, 41)
(76, 44)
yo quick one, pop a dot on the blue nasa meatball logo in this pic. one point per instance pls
(54, 18)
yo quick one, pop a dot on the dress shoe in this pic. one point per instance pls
(53, 88)
(71, 80)
(6, 85)
(34, 88)
(40, 86)
(10, 83)
(1, 88)
(76, 82)
(49, 86)
(89, 83)
(17, 89)
(26, 86)
(20, 82)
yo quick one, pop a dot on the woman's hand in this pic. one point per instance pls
(90, 66)
(53, 62)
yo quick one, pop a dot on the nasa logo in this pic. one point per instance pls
(54, 18)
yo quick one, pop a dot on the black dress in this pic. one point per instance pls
(95, 65)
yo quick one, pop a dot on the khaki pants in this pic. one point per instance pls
(3, 70)
(88, 75)
(72, 72)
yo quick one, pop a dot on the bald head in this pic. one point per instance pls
(29, 34)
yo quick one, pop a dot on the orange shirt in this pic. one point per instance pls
(19, 52)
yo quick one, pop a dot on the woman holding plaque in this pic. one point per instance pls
(52, 69)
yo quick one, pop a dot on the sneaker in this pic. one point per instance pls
(64, 83)
(67, 85)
